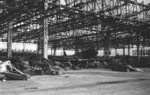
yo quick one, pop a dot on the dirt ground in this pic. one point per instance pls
(81, 82)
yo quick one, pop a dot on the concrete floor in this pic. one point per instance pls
(82, 82)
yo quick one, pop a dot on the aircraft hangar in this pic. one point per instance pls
(85, 27)
(75, 24)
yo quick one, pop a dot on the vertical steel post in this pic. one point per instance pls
(128, 50)
(107, 50)
(39, 45)
(39, 48)
(54, 54)
(76, 45)
(141, 52)
(123, 51)
(138, 57)
(115, 51)
(9, 41)
(45, 48)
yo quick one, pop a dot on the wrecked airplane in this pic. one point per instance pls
(8, 71)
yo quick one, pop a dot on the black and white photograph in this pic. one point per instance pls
(74, 47)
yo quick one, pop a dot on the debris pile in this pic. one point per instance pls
(19, 68)
(121, 65)
(8, 71)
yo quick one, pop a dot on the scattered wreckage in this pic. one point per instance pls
(21, 69)
(117, 65)
(8, 71)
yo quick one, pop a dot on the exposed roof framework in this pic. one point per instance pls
(77, 22)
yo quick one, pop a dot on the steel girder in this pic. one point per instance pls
(120, 17)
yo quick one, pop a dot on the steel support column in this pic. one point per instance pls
(129, 50)
(9, 41)
(123, 51)
(76, 45)
(141, 52)
(138, 57)
(107, 50)
(39, 45)
(115, 51)
(54, 53)
(45, 48)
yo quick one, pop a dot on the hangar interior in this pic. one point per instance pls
(75, 24)
(84, 26)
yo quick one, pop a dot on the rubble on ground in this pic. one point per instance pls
(21, 69)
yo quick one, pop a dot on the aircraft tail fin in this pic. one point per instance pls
(65, 53)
